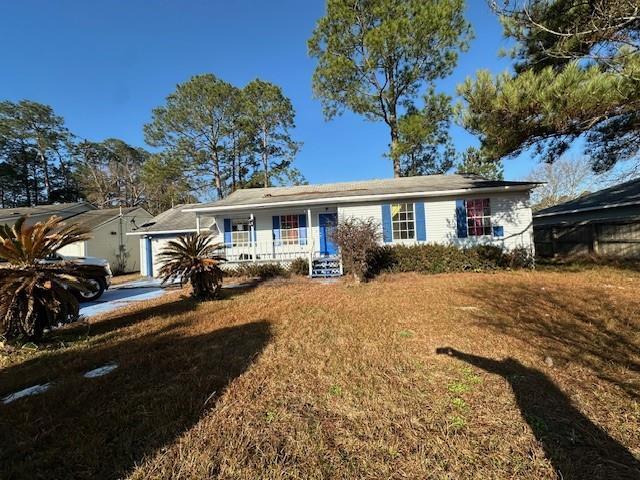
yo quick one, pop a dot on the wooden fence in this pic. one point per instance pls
(620, 239)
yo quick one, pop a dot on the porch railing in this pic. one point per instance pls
(277, 250)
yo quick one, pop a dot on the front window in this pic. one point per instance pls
(240, 232)
(478, 217)
(402, 221)
(289, 229)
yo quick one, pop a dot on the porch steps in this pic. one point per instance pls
(325, 267)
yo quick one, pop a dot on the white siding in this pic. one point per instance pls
(362, 210)
(510, 211)
(143, 256)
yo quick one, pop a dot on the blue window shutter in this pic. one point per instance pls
(276, 229)
(461, 218)
(387, 234)
(498, 231)
(302, 228)
(227, 232)
(421, 228)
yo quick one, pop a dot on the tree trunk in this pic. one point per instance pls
(45, 171)
(234, 166)
(217, 175)
(34, 165)
(393, 126)
(25, 179)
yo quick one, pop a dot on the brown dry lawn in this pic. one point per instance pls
(409, 376)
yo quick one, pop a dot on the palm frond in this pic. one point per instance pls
(194, 259)
(26, 244)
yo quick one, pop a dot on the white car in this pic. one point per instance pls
(98, 284)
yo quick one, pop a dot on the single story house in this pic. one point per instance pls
(109, 228)
(280, 224)
(606, 222)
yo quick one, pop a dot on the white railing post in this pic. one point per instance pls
(254, 237)
(197, 223)
(310, 239)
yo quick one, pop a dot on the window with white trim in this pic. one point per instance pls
(402, 221)
(478, 217)
(289, 229)
(240, 232)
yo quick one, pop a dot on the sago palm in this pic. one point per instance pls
(193, 259)
(35, 295)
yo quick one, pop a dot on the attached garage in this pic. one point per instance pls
(157, 232)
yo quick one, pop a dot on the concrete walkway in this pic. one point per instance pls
(122, 295)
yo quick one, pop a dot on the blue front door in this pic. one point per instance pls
(327, 222)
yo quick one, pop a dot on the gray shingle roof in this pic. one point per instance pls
(624, 193)
(430, 183)
(94, 218)
(171, 220)
(43, 212)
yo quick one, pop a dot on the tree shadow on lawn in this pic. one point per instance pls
(574, 325)
(103, 427)
(577, 448)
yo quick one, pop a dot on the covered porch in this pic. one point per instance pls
(276, 236)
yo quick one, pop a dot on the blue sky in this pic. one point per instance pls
(104, 65)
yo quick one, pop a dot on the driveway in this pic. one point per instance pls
(138, 291)
(122, 295)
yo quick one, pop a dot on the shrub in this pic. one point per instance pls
(260, 270)
(435, 258)
(35, 295)
(193, 258)
(520, 258)
(300, 266)
(358, 241)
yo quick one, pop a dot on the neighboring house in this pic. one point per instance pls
(109, 228)
(606, 222)
(280, 224)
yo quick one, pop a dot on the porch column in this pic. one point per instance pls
(197, 223)
(310, 239)
(254, 237)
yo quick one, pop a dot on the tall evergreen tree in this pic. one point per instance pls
(194, 124)
(166, 183)
(34, 128)
(577, 75)
(376, 57)
(424, 144)
(224, 135)
(473, 161)
(269, 119)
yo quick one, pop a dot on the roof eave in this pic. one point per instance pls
(164, 232)
(586, 209)
(364, 198)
